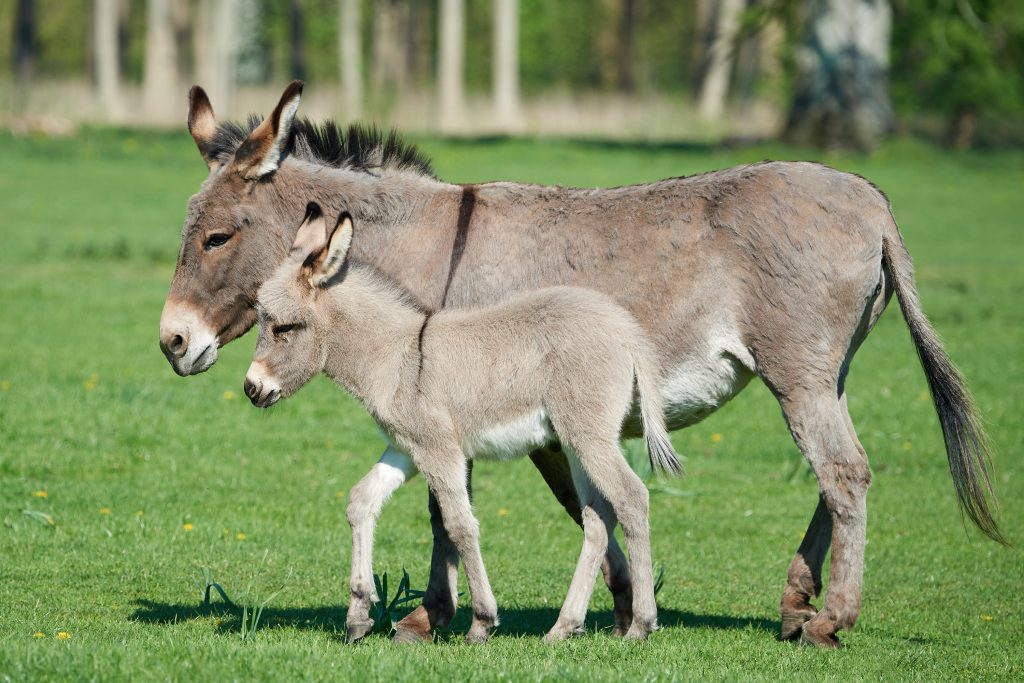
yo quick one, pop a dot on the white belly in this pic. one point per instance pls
(701, 384)
(511, 439)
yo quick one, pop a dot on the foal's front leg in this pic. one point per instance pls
(444, 468)
(365, 502)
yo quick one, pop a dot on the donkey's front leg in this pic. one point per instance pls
(444, 468)
(365, 502)
(441, 597)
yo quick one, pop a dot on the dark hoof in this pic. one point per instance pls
(619, 631)
(819, 634)
(793, 622)
(359, 630)
(414, 628)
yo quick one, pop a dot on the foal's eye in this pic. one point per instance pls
(216, 240)
(281, 330)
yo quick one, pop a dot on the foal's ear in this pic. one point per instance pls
(311, 238)
(265, 148)
(202, 124)
(337, 249)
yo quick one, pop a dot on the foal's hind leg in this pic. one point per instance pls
(804, 579)
(553, 465)
(822, 429)
(598, 524)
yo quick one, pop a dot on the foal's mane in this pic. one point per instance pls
(357, 147)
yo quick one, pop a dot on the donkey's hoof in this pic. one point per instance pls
(480, 631)
(559, 633)
(414, 628)
(358, 630)
(818, 633)
(640, 632)
(793, 622)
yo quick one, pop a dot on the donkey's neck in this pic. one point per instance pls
(372, 344)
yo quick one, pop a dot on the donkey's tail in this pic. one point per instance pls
(659, 448)
(967, 445)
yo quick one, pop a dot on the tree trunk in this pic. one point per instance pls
(841, 96)
(350, 54)
(215, 52)
(105, 20)
(452, 45)
(714, 87)
(24, 55)
(508, 116)
(388, 53)
(160, 80)
(297, 30)
(627, 24)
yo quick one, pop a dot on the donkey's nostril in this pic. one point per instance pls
(176, 344)
(251, 390)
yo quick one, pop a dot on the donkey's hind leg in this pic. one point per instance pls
(598, 524)
(804, 578)
(822, 429)
(553, 465)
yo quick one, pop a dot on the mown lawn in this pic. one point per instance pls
(148, 478)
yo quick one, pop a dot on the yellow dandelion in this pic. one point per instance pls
(38, 634)
(716, 437)
(104, 511)
(923, 396)
(63, 635)
(188, 526)
(906, 445)
(240, 536)
(986, 617)
(339, 494)
(91, 383)
(41, 493)
(138, 513)
(5, 385)
(503, 512)
(228, 395)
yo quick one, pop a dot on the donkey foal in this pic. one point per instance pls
(556, 365)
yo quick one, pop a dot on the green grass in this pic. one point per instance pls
(129, 454)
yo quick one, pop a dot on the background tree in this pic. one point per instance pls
(106, 60)
(508, 114)
(451, 47)
(24, 52)
(713, 89)
(160, 87)
(350, 53)
(841, 92)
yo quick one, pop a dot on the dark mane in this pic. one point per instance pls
(358, 147)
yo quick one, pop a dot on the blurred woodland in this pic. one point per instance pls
(829, 73)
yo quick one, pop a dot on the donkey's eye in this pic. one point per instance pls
(281, 330)
(216, 240)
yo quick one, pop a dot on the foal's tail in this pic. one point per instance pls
(966, 442)
(659, 448)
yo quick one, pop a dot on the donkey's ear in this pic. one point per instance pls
(311, 238)
(202, 124)
(265, 148)
(337, 251)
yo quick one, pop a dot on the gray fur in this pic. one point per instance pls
(774, 269)
(567, 358)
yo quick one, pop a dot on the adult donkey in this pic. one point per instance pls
(775, 269)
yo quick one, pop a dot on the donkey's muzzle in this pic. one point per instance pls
(261, 395)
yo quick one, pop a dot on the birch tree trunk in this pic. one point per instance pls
(215, 52)
(508, 115)
(450, 64)
(841, 96)
(388, 53)
(105, 20)
(160, 79)
(350, 58)
(714, 87)
(24, 54)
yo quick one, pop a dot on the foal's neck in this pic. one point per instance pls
(372, 337)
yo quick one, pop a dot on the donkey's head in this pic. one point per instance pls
(232, 235)
(293, 321)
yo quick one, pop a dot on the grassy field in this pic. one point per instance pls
(120, 481)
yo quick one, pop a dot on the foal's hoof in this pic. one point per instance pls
(638, 632)
(819, 634)
(414, 628)
(359, 630)
(480, 632)
(559, 633)
(793, 622)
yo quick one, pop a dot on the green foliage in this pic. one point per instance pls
(384, 612)
(145, 445)
(959, 55)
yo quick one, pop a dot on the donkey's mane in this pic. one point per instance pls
(357, 147)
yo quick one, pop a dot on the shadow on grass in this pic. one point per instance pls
(524, 621)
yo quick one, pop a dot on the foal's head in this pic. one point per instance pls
(293, 324)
